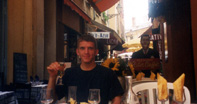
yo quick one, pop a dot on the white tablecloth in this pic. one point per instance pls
(8, 97)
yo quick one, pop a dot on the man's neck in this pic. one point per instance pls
(87, 67)
(145, 50)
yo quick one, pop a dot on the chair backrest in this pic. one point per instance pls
(152, 96)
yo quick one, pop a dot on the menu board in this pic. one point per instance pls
(20, 68)
(146, 64)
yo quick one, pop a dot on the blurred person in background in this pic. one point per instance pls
(145, 52)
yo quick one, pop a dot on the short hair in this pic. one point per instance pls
(144, 35)
(88, 38)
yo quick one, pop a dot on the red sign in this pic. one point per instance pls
(146, 64)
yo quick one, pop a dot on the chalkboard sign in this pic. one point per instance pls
(20, 68)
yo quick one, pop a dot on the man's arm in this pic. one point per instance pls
(53, 72)
(51, 85)
(116, 100)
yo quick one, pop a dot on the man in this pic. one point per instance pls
(145, 52)
(88, 75)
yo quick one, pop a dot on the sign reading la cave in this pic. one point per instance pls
(112, 41)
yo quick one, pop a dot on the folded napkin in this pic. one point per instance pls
(178, 88)
(139, 76)
(162, 87)
(152, 76)
(72, 101)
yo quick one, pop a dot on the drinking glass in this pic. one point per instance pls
(61, 72)
(178, 102)
(164, 100)
(46, 96)
(94, 96)
(72, 94)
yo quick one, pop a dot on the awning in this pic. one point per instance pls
(77, 9)
(148, 31)
(102, 5)
(115, 41)
(105, 28)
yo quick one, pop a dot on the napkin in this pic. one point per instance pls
(152, 76)
(178, 88)
(139, 76)
(72, 101)
(162, 87)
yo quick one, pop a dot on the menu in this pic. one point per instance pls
(20, 68)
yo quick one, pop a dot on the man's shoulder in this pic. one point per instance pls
(137, 53)
(102, 67)
(153, 50)
(73, 68)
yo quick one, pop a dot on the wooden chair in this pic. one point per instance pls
(148, 90)
(23, 93)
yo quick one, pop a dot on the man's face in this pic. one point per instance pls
(145, 41)
(87, 52)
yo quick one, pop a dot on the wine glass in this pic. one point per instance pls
(163, 100)
(72, 94)
(61, 72)
(46, 96)
(180, 102)
(94, 96)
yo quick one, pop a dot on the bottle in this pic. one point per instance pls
(129, 96)
(128, 71)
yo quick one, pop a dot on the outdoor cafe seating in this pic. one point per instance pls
(22, 93)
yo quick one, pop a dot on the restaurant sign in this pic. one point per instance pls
(100, 35)
(156, 37)
(146, 64)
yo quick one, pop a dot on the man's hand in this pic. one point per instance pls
(53, 69)
(116, 100)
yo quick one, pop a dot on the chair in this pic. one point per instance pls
(151, 87)
(23, 93)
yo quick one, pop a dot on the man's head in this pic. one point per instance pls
(88, 38)
(87, 49)
(145, 41)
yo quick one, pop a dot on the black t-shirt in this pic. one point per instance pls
(99, 78)
(140, 54)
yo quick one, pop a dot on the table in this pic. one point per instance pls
(35, 92)
(8, 97)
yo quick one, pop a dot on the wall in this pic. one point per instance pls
(70, 18)
(112, 22)
(26, 35)
(38, 38)
(180, 50)
(50, 34)
(194, 34)
(19, 33)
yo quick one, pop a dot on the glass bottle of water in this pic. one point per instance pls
(129, 97)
